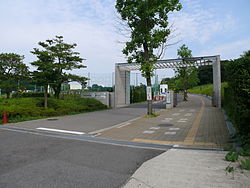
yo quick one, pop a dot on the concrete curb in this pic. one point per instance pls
(230, 126)
(208, 97)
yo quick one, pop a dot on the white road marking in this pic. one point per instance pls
(123, 125)
(155, 128)
(97, 134)
(167, 120)
(114, 126)
(60, 131)
(183, 120)
(176, 114)
(170, 133)
(148, 132)
(174, 129)
(174, 146)
(188, 114)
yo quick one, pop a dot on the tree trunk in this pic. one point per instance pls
(8, 95)
(185, 84)
(150, 104)
(46, 96)
(185, 95)
(57, 90)
(148, 77)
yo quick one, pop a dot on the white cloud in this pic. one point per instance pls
(200, 24)
(230, 50)
(90, 24)
(87, 23)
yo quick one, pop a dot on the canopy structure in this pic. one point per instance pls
(122, 76)
(172, 63)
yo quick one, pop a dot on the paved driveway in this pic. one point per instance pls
(29, 160)
(90, 122)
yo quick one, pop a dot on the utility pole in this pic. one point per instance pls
(88, 79)
(112, 79)
(136, 79)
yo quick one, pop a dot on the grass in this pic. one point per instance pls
(152, 115)
(207, 89)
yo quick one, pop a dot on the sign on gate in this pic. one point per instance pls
(168, 100)
(149, 93)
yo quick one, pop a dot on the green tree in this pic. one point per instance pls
(44, 75)
(186, 76)
(170, 82)
(62, 58)
(246, 54)
(12, 70)
(148, 24)
(81, 80)
(205, 73)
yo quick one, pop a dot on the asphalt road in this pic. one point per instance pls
(29, 160)
(90, 122)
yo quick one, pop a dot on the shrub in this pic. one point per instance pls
(245, 164)
(30, 94)
(237, 95)
(32, 107)
(232, 156)
(244, 152)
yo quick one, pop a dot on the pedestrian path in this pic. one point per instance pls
(178, 168)
(193, 123)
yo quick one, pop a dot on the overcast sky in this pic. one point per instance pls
(212, 27)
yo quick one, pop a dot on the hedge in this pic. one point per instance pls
(33, 107)
(237, 95)
(29, 94)
(138, 94)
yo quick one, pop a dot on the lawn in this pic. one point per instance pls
(207, 89)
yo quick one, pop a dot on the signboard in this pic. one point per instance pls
(168, 100)
(149, 93)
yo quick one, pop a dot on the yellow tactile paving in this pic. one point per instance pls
(175, 143)
(193, 131)
(205, 128)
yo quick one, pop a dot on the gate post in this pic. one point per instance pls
(216, 98)
(122, 87)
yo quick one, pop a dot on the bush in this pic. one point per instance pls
(237, 95)
(138, 94)
(33, 107)
(232, 156)
(245, 164)
(30, 94)
(244, 152)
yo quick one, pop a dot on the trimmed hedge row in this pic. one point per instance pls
(138, 94)
(29, 94)
(32, 107)
(237, 95)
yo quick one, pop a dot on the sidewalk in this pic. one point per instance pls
(194, 123)
(179, 168)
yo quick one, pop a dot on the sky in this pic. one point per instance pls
(207, 27)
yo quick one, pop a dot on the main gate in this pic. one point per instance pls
(122, 76)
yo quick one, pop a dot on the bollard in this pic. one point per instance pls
(5, 119)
